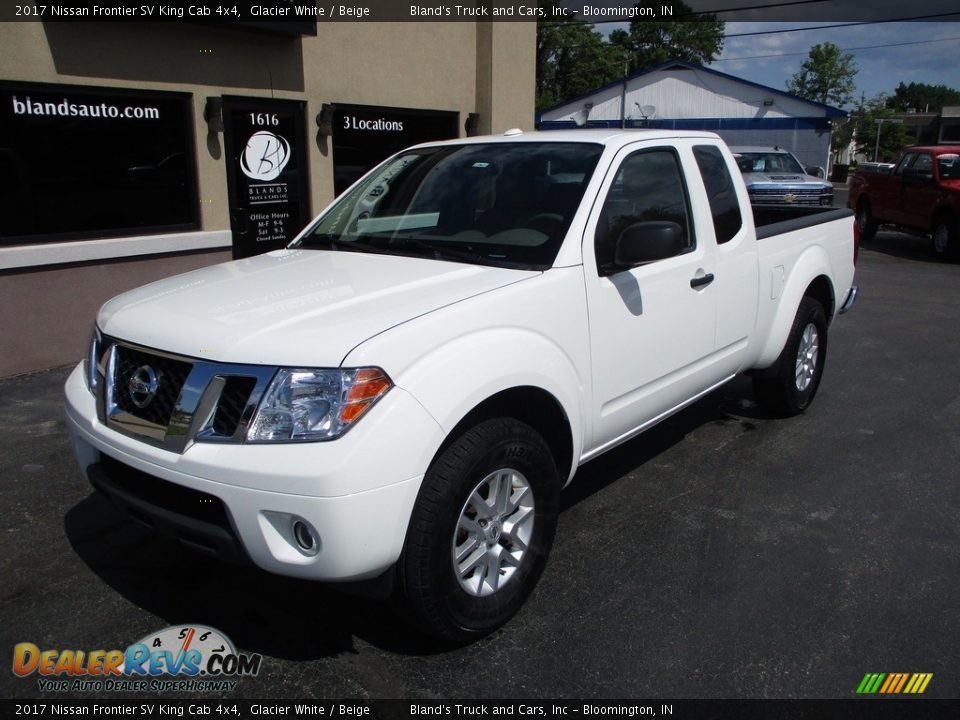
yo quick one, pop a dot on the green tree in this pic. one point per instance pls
(826, 76)
(887, 139)
(922, 97)
(573, 58)
(652, 42)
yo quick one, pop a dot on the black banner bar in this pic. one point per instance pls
(301, 16)
(859, 709)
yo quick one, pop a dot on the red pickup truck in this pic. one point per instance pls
(921, 193)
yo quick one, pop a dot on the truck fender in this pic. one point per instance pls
(457, 376)
(812, 264)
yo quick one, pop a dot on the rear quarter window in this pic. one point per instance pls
(724, 205)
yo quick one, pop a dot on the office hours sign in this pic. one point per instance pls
(267, 176)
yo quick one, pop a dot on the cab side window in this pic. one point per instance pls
(648, 186)
(724, 205)
(923, 164)
(904, 163)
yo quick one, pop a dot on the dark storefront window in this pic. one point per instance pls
(363, 136)
(81, 163)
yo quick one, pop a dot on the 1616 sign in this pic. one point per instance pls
(267, 174)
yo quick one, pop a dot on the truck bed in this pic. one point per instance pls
(777, 219)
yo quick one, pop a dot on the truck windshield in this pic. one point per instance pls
(769, 163)
(505, 204)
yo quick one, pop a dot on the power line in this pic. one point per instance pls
(862, 47)
(708, 12)
(790, 30)
(836, 25)
(774, 55)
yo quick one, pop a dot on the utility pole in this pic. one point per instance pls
(623, 93)
(880, 122)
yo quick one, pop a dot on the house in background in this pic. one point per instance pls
(922, 128)
(683, 96)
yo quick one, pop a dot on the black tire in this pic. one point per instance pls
(945, 240)
(430, 591)
(866, 222)
(789, 388)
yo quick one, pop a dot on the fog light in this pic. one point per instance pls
(304, 537)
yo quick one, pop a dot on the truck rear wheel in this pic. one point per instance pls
(866, 222)
(797, 372)
(480, 532)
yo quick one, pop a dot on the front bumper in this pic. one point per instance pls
(355, 493)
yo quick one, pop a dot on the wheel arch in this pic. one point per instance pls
(942, 212)
(815, 267)
(529, 404)
(821, 290)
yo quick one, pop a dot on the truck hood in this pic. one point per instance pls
(292, 307)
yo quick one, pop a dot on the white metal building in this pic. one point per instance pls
(683, 96)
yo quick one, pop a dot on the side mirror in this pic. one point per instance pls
(815, 170)
(645, 242)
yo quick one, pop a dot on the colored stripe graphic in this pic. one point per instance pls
(903, 679)
(894, 683)
(870, 683)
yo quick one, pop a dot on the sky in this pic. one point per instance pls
(881, 50)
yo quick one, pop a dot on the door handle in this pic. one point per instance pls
(702, 281)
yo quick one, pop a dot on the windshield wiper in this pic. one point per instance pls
(440, 252)
(335, 242)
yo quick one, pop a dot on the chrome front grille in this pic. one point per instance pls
(172, 401)
(233, 400)
(798, 196)
(133, 366)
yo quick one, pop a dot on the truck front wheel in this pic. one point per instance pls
(480, 532)
(946, 244)
(797, 372)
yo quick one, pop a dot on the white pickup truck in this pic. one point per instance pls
(398, 398)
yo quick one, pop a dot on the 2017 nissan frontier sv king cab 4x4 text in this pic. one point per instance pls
(399, 396)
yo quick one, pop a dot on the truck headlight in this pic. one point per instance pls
(303, 405)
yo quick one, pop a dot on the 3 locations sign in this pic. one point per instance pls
(266, 150)
(363, 136)
(80, 162)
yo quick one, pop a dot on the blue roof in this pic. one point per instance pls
(830, 110)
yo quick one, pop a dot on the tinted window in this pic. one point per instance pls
(923, 163)
(648, 186)
(724, 205)
(364, 136)
(904, 162)
(84, 162)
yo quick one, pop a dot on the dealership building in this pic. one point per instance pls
(679, 95)
(134, 151)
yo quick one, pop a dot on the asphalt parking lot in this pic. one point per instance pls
(722, 554)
